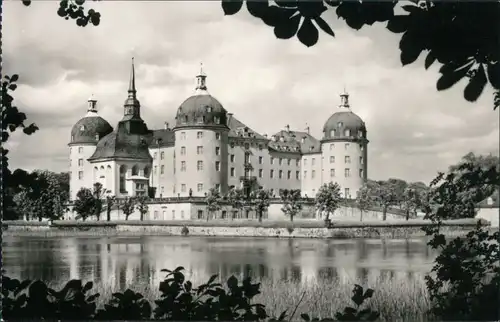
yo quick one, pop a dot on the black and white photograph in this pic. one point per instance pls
(250, 160)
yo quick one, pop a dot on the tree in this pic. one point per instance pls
(84, 204)
(364, 200)
(110, 202)
(292, 204)
(384, 195)
(98, 194)
(328, 199)
(411, 202)
(398, 187)
(442, 29)
(213, 201)
(235, 197)
(464, 282)
(142, 206)
(128, 206)
(259, 200)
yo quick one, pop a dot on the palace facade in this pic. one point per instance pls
(208, 147)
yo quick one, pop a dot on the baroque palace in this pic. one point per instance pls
(208, 147)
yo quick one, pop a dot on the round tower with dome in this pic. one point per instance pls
(201, 144)
(84, 137)
(344, 149)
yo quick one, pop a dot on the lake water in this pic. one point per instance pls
(121, 262)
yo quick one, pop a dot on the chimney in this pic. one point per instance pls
(287, 127)
(166, 126)
(265, 135)
(307, 129)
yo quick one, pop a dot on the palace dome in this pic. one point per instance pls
(344, 123)
(90, 129)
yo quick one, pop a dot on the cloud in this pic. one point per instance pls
(414, 131)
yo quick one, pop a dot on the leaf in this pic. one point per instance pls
(282, 316)
(494, 74)
(305, 317)
(12, 87)
(93, 297)
(232, 282)
(88, 286)
(476, 85)
(411, 48)
(429, 60)
(231, 7)
(14, 78)
(368, 293)
(326, 28)
(27, 2)
(261, 9)
(212, 278)
(450, 78)
(398, 24)
(308, 34)
(22, 286)
(287, 29)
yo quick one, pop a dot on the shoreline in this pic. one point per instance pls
(298, 229)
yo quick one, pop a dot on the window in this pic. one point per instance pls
(232, 145)
(280, 161)
(182, 214)
(199, 165)
(332, 133)
(347, 172)
(162, 169)
(183, 165)
(217, 187)
(162, 155)
(361, 173)
(360, 133)
(260, 173)
(80, 175)
(332, 146)
(313, 174)
(217, 136)
(297, 175)
(135, 170)
(123, 171)
(217, 120)
(82, 128)
(346, 146)
(173, 213)
(200, 187)
(209, 109)
(232, 157)
(155, 155)
(361, 147)
(280, 174)
(217, 165)
(272, 160)
(305, 174)
(200, 214)
(199, 135)
(313, 161)
(217, 150)
(247, 157)
(339, 124)
(80, 150)
(360, 160)
(332, 159)
(260, 146)
(224, 214)
(183, 135)
(297, 162)
(186, 119)
(289, 174)
(201, 119)
(305, 162)
(271, 174)
(183, 150)
(347, 194)
(156, 214)
(347, 159)
(247, 146)
(155, 169)
(183, 187)
(232, 172)
(332, 173)
(260, 160)
(80, 162)
(288, 161)
(162, 189)
(199, 150)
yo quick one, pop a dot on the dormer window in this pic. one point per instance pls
(340, 124)
(217, 120)
(72, 138)
(97, 137)
(347, 132)
(360, 133)
(282, 139)
(303, 140)
(82, 128)
(332, 133)
(209, 109)
(185, 119)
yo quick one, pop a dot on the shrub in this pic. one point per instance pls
(184, 231)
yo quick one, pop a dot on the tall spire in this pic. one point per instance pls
(132, 105)
(201, 80)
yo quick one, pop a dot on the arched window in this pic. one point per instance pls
(146, 171)
(135, 170)
(123, 171)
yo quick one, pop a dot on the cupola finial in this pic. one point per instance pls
(201, 80)
(344, 99)
(132, 105)
(92, 102)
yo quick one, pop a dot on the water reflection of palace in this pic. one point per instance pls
(121, 262)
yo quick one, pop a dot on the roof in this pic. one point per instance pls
(303, 140)
(88, 128)
(491, 202)
(339, 122)
(237, 129)
(161, 138)
(123, 144)
(201, 109)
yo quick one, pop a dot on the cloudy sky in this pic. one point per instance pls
(414, 131)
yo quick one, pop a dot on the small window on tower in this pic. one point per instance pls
(82, 128)
(217, 120)
(340, 124)
(185, 119)
(209, 109)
